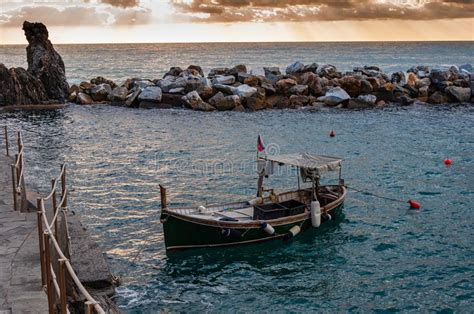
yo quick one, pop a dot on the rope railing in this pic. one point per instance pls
(56, 289)
(17, 172)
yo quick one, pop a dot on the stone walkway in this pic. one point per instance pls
(20, 274)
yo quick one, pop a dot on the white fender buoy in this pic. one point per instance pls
(268, 228)
(315, 214)
(202, 209)
(292, 233)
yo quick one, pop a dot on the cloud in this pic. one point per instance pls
(85, 15)
(122, 3)
(52, 16)
(227, 11)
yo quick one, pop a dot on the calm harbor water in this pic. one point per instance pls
(381, 256)
(121, 61)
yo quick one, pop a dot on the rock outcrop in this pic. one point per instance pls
(44, 81)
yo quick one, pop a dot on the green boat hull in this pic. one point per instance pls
(181, 234)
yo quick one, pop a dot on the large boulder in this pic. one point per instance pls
(438, 98)
(84, 99)
(283, 85)
(226, 89)
(151, 94)
(334, 96)
(102, 80)
(174, 100)
(298, 90)
(399, 78)
(100, 92)
(196, 68)
(296, 101)
(240, 68)
(44, 62)
(268, 87)
(218, 71)
(351, 84)
(277, 101)
(369, 99)
(313, 82)
(362, 102)
(329, 71)
(118, 94)
(224, 79)
(193, 101)
(227, 103)
(459, 94)
(295, 67)
(132, 99)
(173, 71)
(272, 70)
(252, 80)
(245, 91)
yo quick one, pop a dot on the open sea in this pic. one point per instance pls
(380, 257)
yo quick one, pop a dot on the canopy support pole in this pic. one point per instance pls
(260, 184)
(298, 175)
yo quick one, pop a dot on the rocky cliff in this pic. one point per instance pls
(45, 79)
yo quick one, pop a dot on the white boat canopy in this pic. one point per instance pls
(315, 163)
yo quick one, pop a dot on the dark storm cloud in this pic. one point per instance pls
(75, 15)
(321, 10)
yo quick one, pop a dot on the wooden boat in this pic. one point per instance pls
(268, 216)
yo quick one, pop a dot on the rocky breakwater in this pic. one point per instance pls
(44, 82)
(301, 85)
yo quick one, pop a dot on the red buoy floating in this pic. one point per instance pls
(414, 204)
(332, 134)
(448, 162)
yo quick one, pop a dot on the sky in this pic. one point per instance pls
(155, 21)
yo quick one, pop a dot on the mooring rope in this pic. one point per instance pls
(375, 195)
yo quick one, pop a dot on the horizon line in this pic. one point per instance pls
(258, 42)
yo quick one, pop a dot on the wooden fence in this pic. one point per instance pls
(57, 273)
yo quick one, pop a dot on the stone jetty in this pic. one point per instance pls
(238, 89)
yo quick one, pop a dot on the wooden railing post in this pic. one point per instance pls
(6, 141)
(15, 206)
(49, 279)
(89, 307)
(55, 209)
(18, 139)
(40, 238)
(63, 185)
(62, 286)
(164, 204)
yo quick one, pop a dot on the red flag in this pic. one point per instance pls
(260, 145)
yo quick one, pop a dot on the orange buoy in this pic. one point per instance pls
(414, 204)
(332, 134)
(448, 162)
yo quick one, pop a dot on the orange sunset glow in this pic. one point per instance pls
(146, 21)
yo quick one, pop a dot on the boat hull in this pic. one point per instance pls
(181, 233)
